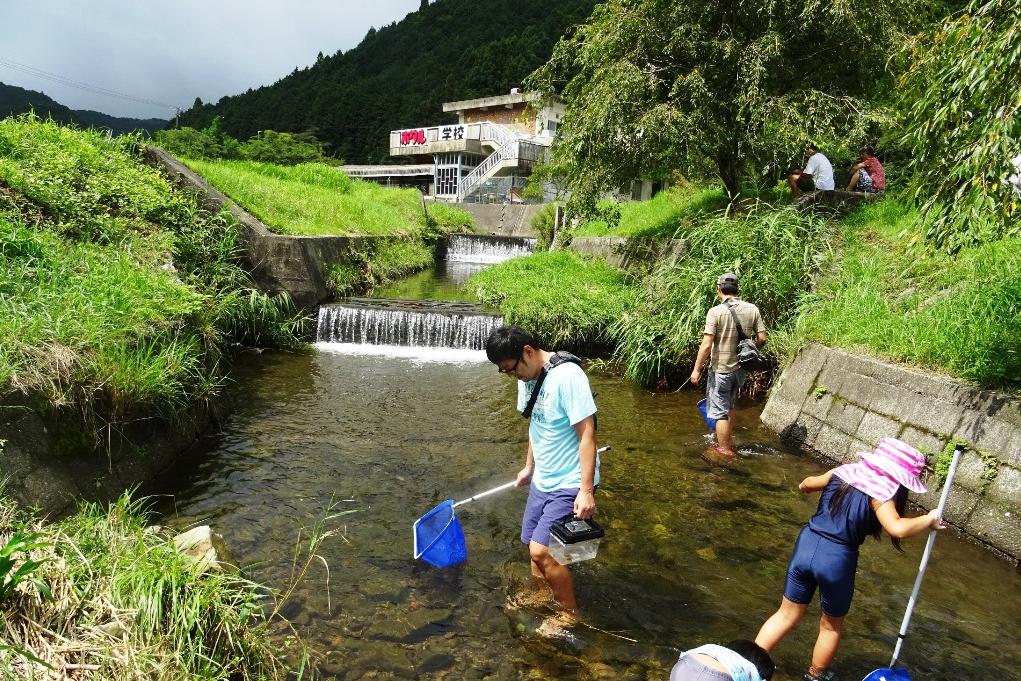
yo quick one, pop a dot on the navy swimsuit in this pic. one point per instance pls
(826, 553)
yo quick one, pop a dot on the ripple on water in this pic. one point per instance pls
(694, 553)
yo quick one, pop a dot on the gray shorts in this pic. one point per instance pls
(688, 669)
(721, 391)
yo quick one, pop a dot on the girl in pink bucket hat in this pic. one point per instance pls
(858, 499)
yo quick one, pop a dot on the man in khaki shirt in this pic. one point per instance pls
(719, 345)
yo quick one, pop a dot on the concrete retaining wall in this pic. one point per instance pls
(278, 263)
(835, 404)
(503, 220)
(627, 253)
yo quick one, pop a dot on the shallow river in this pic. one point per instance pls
(693, 553)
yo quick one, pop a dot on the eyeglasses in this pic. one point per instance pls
(512, 369)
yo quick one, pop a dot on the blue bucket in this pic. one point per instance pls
(703, 407)
(439, 539)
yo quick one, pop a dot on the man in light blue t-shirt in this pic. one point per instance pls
(561, 462)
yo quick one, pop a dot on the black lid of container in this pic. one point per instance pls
(571, 530)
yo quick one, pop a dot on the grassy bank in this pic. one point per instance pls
(567, 301)
(100, 596)
(119, 296)
(866, 283)
(317, 199)
(774, 251)
(672, 211)
(653, 320)
(889, 295)
(667, 212)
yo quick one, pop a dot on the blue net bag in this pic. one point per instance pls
(439, 539)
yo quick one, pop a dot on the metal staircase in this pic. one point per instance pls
(511, 150)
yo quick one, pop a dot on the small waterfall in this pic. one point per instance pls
(415, 323)
(486, 249)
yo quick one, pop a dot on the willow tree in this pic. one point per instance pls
(963, 97)
(732, 87)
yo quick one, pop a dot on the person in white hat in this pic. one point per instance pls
(858, 499)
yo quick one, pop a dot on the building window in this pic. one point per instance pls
(446, 181)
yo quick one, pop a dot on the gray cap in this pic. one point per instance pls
(727, 278)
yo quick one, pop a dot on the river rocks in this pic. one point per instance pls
(206, 549)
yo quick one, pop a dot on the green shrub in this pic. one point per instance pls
(544, 224)
(210, 142)
(573, 306)
(343, 279)
(390, 259)
(270, 146)
(774, 252)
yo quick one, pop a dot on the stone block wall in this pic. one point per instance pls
(835, 404)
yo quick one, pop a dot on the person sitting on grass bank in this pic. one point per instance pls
(739, 660)
(816, 175)
(867, 175)
(858, 499)
(561, 464)
(719, 346)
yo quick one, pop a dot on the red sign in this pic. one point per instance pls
(416, 137)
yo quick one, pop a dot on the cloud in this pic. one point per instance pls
(173, 52)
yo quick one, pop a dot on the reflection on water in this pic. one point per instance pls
(693, 553)
(441, 281)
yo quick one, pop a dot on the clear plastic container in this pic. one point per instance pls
(573, 540)
(565, 554)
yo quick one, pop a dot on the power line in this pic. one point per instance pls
(94, 89)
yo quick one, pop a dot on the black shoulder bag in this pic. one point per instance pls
(556, 359)
(748, 356)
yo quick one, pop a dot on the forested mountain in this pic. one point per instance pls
(119, 125)
(400, 75)
(15, 100)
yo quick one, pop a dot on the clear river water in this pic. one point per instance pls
(694, 553)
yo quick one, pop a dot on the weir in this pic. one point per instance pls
(479, 248)
(415, 323)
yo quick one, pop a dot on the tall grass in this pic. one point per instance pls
(891, 295)
(118, 295)
(123, 603)
(565, 300)
(774, 252)
(316, 199)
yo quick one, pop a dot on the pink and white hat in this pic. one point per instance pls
(880, 472)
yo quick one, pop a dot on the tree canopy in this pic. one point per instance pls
(733, 89)
(962, 95)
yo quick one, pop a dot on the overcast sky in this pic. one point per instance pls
(175, 51)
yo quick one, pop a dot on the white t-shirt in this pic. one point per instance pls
(819, 168)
